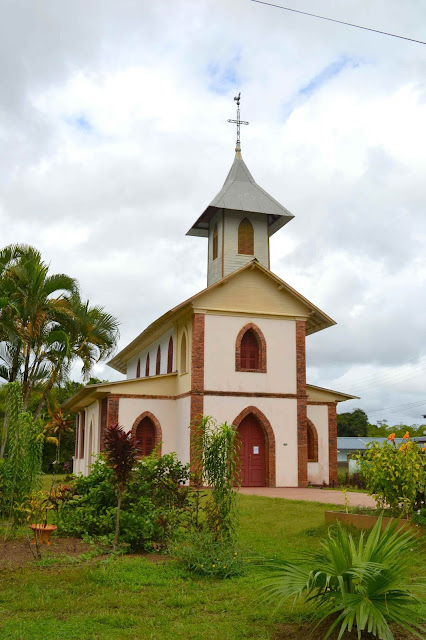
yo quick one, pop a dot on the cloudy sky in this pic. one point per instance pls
(114, 138)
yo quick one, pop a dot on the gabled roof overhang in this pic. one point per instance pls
(316, 320)
(240, 192)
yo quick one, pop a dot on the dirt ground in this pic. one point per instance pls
(17, 553)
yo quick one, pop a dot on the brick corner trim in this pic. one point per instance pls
(157, 428)
(269, 437)
(262, 348)
(197, 378)
(332, 443)
(302, 426)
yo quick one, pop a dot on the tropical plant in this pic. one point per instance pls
(154, 504)
(357, 585)
(395, 475)
(45, 327)
(120, 455)
(20, 470)
(215, 450)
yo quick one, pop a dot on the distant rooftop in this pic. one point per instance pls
(359, 444)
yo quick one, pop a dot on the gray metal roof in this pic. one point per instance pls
(359, 444)
(240, 192)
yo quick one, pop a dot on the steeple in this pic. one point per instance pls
(241, 200)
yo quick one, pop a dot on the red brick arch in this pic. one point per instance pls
(157, 428)
(312, 436)
(262, 348)
(269, 438)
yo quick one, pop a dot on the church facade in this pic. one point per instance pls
(234, 351)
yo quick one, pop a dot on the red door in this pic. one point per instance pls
(145, 437)
(252, 453)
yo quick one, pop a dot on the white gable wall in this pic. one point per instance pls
(221, 332)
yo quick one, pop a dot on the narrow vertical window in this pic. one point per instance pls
(249, 351)
(147, 366)
(312, 442)
(138, 368)
(77, 434)
(158, 363)
(215, 243)
(170, 356)
(183, 354)
(246, 237)
(83, 424)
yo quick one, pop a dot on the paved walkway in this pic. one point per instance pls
(312, 495)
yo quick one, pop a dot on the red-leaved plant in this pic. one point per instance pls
(120, 455)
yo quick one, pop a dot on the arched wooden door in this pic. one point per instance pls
(252, 452)
(145, 437)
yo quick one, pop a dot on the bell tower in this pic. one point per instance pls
(239, 220)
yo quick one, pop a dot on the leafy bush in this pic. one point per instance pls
(361, 585)
(394, 475)
(204, 555)
(150, 515)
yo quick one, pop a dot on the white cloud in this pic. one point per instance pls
(114, 138)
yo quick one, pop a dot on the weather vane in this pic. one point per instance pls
(238, 122)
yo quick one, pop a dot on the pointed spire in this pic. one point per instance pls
(238, 122)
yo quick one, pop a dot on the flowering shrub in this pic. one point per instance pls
(395, 475)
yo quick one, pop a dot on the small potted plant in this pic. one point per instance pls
(38, 506)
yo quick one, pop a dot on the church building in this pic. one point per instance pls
(234, 351)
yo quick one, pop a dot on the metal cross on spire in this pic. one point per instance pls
(238, 122)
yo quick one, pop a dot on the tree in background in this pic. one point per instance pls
(382, 429)
(45, 327)
(352, 424)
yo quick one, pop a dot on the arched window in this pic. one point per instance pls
(246, 237)
(215, 243)
(147, 365)
(250, 349)
(183, 365)
(145, 437)
(138, 368)
(158, 363)
(312, 442)
(170, 356)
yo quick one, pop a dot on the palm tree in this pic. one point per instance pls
(45, 327)
(89, 334)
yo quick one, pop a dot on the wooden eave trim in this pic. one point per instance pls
(149, 335)
(341, 397)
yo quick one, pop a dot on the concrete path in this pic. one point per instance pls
(312, 495)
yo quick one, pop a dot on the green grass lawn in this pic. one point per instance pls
(132, 597)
